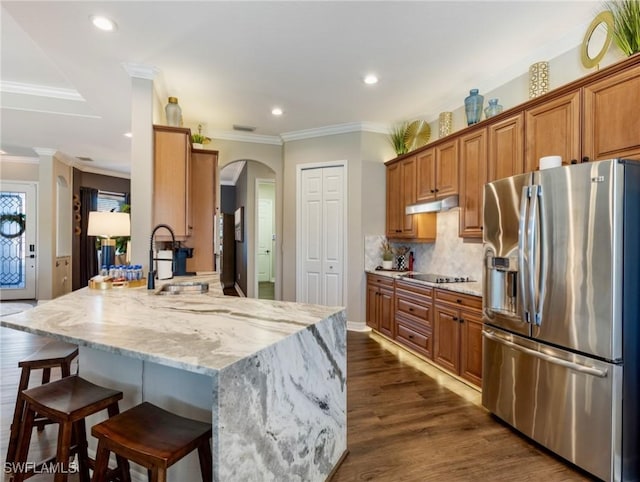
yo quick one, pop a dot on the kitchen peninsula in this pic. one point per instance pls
(271, 376)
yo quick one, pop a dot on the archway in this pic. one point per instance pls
(247, 195)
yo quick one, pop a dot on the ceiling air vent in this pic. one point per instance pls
(236, 127)
(85, 159)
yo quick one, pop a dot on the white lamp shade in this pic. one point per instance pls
(108, 224)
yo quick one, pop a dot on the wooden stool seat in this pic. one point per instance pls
(153, 438)
(66, 402)
(56, 354)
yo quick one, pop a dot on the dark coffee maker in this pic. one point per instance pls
(180, 256)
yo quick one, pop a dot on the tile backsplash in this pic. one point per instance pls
(449, 255)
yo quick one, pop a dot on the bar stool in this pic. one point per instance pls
(56, 354)
(66, 402)
(153, 438)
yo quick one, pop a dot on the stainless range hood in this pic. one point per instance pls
(433, 206)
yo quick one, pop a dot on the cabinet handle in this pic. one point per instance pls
(585, 159)
(458, 300)
(410, 309)
(455, 318)
(432, 190)
(574, 161)
(461, 320)
(411, 337)
(437, 190)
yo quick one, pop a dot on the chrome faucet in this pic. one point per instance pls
(151, 283)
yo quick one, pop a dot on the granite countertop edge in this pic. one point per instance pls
(473, 288)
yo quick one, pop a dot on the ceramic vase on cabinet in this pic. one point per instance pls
(473, 107)
(173, 112)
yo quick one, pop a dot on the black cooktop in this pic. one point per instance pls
(437, 278)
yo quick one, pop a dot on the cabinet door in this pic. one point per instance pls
(447, 168)
(611, 120)
(408, 169)
(426, 171)
(386, 312)
(372, 306)
(203, 209)
(506, 148)
(395, 217)
(446, 338)
(553, 129)
(471, 347)
(171, 180)
(473, 176)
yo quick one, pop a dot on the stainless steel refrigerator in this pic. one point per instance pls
(561, 311)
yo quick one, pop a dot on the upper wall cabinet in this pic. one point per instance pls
(611, 120)
(553, 129)
(437, 170)
(171, 179)
(473, 176)
(506, 148)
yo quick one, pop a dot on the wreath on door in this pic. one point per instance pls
(6, 220)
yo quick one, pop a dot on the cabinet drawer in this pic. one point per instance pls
(414, 310)
(458, 299)
(414, 288)
(406, 334)
(380, 280)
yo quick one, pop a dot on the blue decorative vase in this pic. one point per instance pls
(492, 109)
(473, 107)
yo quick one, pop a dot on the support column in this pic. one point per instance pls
(141, 160)
(46, 223)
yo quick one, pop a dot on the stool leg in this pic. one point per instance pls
(102, 463)
(206, 462)
(23, 444)
(157, 474)
(18, 412)
(81, 444)
(62, 455)
(123, 463)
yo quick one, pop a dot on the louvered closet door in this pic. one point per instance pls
(322, 242)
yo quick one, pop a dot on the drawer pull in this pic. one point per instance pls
(411, 337)
(458, 300)
(410, 309)
(455, 318)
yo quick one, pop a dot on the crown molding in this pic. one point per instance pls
(245, 137)
(141, 71)
(45, 151)
(104, 172)
(20, 159)
(334, 130)
(40, 90)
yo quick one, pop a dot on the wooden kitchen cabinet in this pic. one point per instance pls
(457, 337)
(401, 191)
(437, 171)
(413, 317)
(506, 148)
(172, 180)
(553, 129)
(380, 304)
(204, 165)
(610, 117)
(473, 176)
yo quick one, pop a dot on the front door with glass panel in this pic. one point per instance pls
(18, 241)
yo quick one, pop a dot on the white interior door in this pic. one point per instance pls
(265, 239)
(18, 241)
(321, 240)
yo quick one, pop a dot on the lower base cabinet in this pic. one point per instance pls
(438, 324)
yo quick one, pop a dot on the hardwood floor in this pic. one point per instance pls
(403, 425)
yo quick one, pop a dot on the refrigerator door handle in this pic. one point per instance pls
(542, 273)
(588, 370)
(522, 247)
(532, 254)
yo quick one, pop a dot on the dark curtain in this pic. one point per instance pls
(88, 252)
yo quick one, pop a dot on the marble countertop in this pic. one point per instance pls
(473, 288)
(202, 333)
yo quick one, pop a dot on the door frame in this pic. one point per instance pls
(257, 233)
(345, 209)
(33, 228)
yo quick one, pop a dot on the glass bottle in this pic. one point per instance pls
(473, 107)
(173, 112)
(492, 109)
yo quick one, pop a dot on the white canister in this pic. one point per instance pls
(164, 270)
(548, 162)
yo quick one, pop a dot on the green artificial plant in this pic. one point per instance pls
(626, 24)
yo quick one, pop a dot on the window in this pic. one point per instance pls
(111, 201)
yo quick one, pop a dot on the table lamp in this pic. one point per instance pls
(107, 225)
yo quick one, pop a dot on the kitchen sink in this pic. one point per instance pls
(183, 288)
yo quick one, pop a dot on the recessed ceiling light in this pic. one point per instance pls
(276, 111)
(128, 134)
(371, 79)
(103, 23)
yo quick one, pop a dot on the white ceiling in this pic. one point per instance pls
(64, 86)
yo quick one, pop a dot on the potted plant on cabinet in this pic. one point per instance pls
(387, 254)
(198, 140)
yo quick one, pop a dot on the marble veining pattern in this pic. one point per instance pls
(274, 422)
(197, 332)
